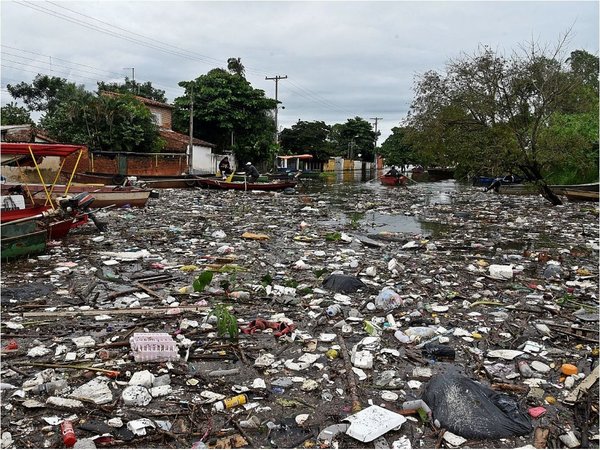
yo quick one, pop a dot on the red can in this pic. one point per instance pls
(68, 434)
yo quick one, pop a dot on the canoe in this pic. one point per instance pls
(241, 186)
(580, 196)
(391, 180)
(103, 195)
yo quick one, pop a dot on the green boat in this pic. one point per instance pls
(26, 244)
(22, 239)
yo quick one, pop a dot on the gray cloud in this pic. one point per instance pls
(342, 59)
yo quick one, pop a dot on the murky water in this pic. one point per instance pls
(344, 191)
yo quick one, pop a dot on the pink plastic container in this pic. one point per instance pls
(157, 347)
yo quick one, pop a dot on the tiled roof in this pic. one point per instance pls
(144, 100)
(179, 142)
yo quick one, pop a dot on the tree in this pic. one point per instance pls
(230, 113)
(145, 90)
(485, 98)
(235, 66)
(307, 137)
(354, 137)
(11, 114)
(105, 123)
(45, 93)
(396, 150)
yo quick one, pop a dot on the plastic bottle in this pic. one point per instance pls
(333, 310)
(231, 402)
(51, 387)
(68, 434)
(525, 370)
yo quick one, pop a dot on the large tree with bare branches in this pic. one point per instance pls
(491, 112)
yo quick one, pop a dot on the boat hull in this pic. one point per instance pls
(580, 196)
(392, 180)
(23, 245)
(174, 182)
(103, 195)
(241, 186)
(16, 214)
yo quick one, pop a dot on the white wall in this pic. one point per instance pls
(204, 161)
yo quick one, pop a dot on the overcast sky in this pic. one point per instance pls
(342, 59)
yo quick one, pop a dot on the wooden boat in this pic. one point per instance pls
(391, 180)
(213, 183)
(575, 195)
(16, 214)
(23, 244)
(518, 189)
(103, 195)
(560, 189)
(172, 182)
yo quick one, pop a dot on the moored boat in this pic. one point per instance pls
(103, 195)
(172, 182)
(575, 195)
(23, 244)
(560, 189)
(213, 183)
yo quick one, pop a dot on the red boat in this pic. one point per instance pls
(391, 180)
(213, 183)
(16, 214)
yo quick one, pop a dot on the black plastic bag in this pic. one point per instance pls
(343, 283)
(472, 410)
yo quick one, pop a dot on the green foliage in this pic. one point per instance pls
(266, 280)
(352, 138)
(226, 322)
(307, 137)
(355, 218)
(133, 87)
(104, 123)
(230, 113)
(11, 114)
(291, 283)
(202, 281)
(396, 150)
(489, 114)
(45, 93)
(335, 236)
(319, 272)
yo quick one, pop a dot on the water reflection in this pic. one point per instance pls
(344, 191)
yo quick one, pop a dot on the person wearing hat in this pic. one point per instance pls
(251, 173)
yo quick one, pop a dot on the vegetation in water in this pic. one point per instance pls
(226, 322)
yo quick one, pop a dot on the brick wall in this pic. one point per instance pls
(152, 165)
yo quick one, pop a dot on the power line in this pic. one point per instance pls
(60, 59)
(186, 53)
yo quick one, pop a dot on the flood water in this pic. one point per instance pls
(345, 192)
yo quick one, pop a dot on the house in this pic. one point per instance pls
(175, 159)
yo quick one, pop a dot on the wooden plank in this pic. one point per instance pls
(115, 312)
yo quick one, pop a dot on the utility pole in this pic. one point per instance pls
(132, 76)
(276, 78)
(191, 145)
(376, 119)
